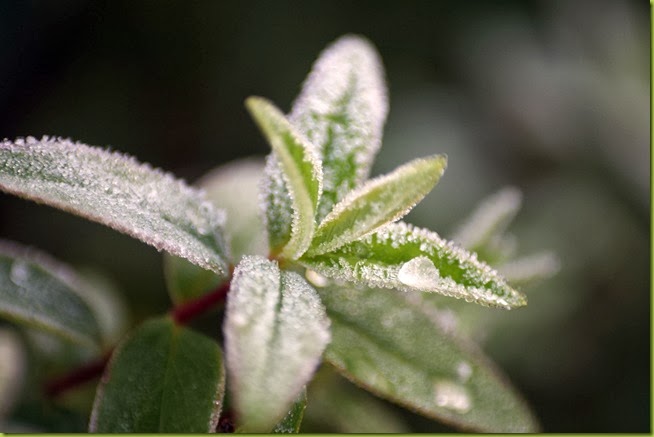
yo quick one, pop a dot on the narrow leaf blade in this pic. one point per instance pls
(119, 192)
(291, 423)
(275, 332)
(407, 258)
(301, 169)
(386, 344)
(342, 109)
(379, 201)
(163, 378)
(39, 292)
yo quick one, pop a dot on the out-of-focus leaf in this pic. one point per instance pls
(162, 378)
(186, 281)
(341, 110)
(407, 258)
(530, 269)
(383, 342)
(291, 423)
(12, 370)
(301, 168)
(40, 292)
(339, 406)
(117, 191)
(275, 332)
(379, 201)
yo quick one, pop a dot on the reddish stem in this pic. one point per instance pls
(78, 376)
(181, 315)
(185, 312)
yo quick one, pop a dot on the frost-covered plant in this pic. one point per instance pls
(329, 274)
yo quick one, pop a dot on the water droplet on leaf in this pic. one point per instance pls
(419, 273)
(452, 396)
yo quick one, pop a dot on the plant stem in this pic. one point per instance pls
(181, 314)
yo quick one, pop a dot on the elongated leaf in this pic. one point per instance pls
(275, 332)
(119, 192)
(383, 342)
(301, 168)
(39, 292)
(291, 423)
(380, 201)
(531, 268)
(341, 110)
(406, 258)
(163, 378)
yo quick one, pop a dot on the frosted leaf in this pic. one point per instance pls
(119, 192)
(275, 332)
(490, 219)
(407, 258)
(278, 209)
(531, 268)
(342, 109)
(301, 170)
(37, 291)
(378, 202)
(386, 343)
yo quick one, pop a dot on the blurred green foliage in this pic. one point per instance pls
(551, 97)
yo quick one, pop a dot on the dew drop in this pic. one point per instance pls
(19, 273)
(463, 371)
(419, 273)
(316, 278)
(452, 396)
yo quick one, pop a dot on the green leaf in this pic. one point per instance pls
(341, 110)
(163, 378)
(379, 201)
(291, 423)
(186, 281)
(407, 258)
(387, 344)
(301, 169)
(39, 292)
(117, 191)
(275, 332)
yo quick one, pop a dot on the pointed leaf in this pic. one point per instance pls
(301, 169)
(379, 201)
(275, 332)
(407, 258)
(341, 110)
(163, 378)
(119, 192)
(291, 423)
(385, 343)
(532, 268)
(39, 292)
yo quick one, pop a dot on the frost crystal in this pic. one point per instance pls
(117, 191)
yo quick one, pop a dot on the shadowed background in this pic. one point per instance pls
(551, 97)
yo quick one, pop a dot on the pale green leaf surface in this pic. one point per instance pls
(301, 168)
(531, 268)
(275, 332)
(341, 110)
(407, 258)
(117, 191)
(277, 205)
(291, 423)
(162, 378)
(378, 202)
(489, 220)
(39, 292)
(383, 342)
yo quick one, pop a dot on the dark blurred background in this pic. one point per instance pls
(551, 97)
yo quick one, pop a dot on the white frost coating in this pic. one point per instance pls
(491, 218)
(531, 268)
(301, 170)
(119, 192)
(276, 203)
(459, 273)
(275, 329)
(342, 109)
(379, 201)
(450, 395)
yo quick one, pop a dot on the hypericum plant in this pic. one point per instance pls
(340, 278)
